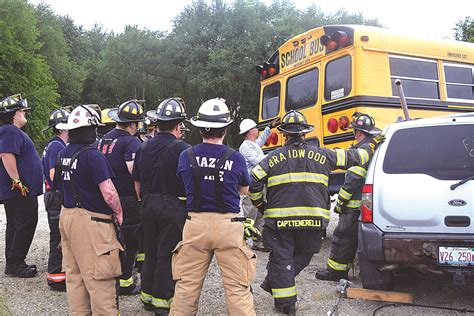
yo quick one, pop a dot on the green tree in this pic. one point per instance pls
(69, 76)
(464, 30)
(22, 69)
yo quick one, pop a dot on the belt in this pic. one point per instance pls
(234, 219)
(102, 220)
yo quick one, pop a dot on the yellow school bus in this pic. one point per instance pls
(331, 72)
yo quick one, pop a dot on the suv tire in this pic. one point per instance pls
(371, 277)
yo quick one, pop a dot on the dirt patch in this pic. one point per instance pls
(33, 297)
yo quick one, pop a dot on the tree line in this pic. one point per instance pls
(211, 50)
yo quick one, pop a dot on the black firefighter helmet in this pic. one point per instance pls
(171, 109)
(13, 103)
(57, 116)
(294, 123)
(129, 111)
(364, 123)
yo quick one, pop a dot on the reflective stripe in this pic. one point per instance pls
(258, 172)
(341, 157)
(182, 198)
(161, 303)
(354, 203)
(344, 194)
(296, 211)
(286, 292)
(140, 257)
(126, 283)
(56, 277)
(358, 170)
(146, 298)
(297, 177)
(157, 302)
(364, 156)
(338, 266)
(255, 196)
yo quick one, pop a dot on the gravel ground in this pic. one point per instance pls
(32, 296)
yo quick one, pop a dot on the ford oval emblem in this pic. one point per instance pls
(457, 202)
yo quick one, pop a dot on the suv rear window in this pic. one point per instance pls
(443, 152)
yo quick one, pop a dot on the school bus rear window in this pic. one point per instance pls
(302, 90)
(338, 83)
(271, 101)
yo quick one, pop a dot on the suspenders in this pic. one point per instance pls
(60, 168)
(199, 172)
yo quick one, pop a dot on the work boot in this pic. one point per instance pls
(20, 271)
(29, 266)
(58, 287)
(288, 310)
(266, 287)
(331, 275)
(162, 311)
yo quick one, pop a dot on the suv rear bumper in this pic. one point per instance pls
(409, 249)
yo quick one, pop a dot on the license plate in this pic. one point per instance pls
(456, 256)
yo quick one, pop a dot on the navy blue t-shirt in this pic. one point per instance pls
(50, 154)
(234, 174)
(119, 146)
(90, 169)
(14, 141)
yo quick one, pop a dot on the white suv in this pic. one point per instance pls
(418, 201)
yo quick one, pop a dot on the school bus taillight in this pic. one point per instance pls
(344, 123)
(333, 125)
(266, 70)
(272, 139)
(335, 41)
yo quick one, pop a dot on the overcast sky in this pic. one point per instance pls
(424, 17)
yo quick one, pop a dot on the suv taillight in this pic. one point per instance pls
(366, 214)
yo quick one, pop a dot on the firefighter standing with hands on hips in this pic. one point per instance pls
(20, 184)
(53, 199)
(162, 194)
(344, 238)
(251, 149)
(91, 205)
(119, 147)
(296, 176)
(214, 176)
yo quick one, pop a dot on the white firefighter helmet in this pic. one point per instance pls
(81, 116)
(212, 114)
(246, 125)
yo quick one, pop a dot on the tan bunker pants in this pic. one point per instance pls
(90, 260)
(205, 235)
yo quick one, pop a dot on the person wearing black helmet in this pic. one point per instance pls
(21, 178)
(119, 147)
(56, 277)
(296, 176)
(214, 176)
(162, 193)
(344, 237)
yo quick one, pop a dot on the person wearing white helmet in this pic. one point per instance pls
(90, 208)
(251, 149)
(214, 176)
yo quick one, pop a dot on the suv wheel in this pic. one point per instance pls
(371, 277)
